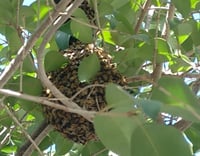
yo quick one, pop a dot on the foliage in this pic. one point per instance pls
(154, 44)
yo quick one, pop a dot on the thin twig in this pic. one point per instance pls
(165, 34)
(186, 105)
(85, 88)
(157, 67)
(100, 152)
(142, 15)
(44, 101)
(40, 57)
(182, 125)
(22, 128)
(42, 133)
(5, 140)
(84, 23)
(24, 50)
(138, 78)
(97, 18)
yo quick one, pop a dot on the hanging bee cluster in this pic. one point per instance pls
(71, 125)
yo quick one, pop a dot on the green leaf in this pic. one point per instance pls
(183, 31)
(177, 98)
(31, 85)
(116, 96)
(14, 42)
(180, 65)
(158, 140)
(63, 35)
(92, 148)
(6, 12)
(183, 8)
(88, 68)
(28, 64)
(143, 52)
(194, 3)
(150, 107)
(9, 149)
(5, 119)
(62, 39)
(46, 142)
(118, 3)
(107, 37)
(187, 44)
(115, 130)
(26, 18)
(196, 33)
(62, 145)
(163, 50)
(41, 10)
(193, 134)
(80, 28)
(54, 60)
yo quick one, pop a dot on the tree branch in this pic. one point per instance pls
(40, 57)
(22, 128)
(37, 136)
(182, 125)
(38, 139)
(142, 15)
(44, 101)
(24, 50)
(166, 31)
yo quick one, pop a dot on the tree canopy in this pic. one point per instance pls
(153, 44)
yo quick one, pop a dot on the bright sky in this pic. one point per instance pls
(28, 2)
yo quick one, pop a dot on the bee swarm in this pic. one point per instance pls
(71, 125)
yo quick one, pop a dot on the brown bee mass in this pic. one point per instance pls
(74, 126)
(71, 125)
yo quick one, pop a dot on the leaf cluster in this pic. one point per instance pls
(142, 116)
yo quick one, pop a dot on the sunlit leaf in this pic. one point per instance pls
(179, 65)
(183, 31)
(107, 37)
(41, 10)
(9, 149)
(163, 50)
